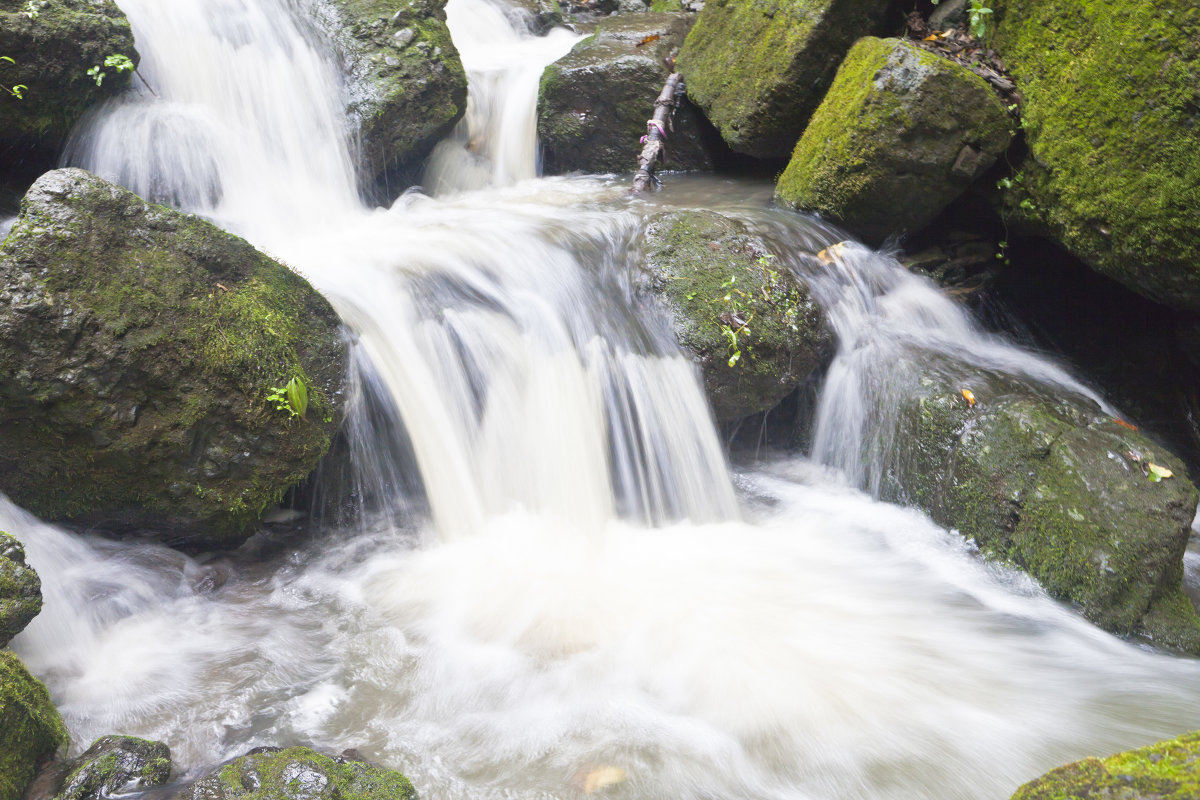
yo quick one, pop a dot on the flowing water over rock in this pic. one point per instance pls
(575, 580)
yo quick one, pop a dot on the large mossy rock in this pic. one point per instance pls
(593, 103)
(1111, 114)
(900, 135)
(138, 347)
(31, 730)
(1167, 770)
(115, 765)
(407, 86)
(20, 589)
(51, 54)
(753, 328)
(1048, 483)
(759, 69)
(298, 774)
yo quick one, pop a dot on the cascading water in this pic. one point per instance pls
(583, 593)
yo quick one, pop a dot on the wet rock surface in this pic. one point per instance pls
(298, 773)
(20, 589)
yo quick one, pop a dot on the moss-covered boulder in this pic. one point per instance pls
(1168, 770)
(31, 730)
(139, 349)
(754, 329)
(1111, 114)
(900, 135)
(53, 44)
(758, 70)
(298, 774)
(20, 589)
(593, 103)
(1050, 484)
(116, 765)
(407, 87)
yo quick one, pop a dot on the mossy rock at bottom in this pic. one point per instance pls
(1046, 482)
(757, 70)
(139, 350)
(20, 589)
(115, 765)
(1167, 770)
(1111, 114)
(31, 731)
(900, 135)
(298, 773)
(754, 329)
(593, 103)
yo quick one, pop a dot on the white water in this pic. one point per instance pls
(536, 626)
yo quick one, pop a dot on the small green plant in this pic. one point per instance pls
(31, 9)
(17, 91)
(290, 399)
(978, 15)
(120, 63)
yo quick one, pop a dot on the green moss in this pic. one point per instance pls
(31, 730)
(1112, 116)
(1168, 770)
(758, 70)
(882, 153)
(299, 773)
(20, 589)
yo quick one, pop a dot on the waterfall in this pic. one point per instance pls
(567, 579)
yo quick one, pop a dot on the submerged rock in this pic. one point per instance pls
(20, 589)
(31, 730)
(53, 44)
(298, 773)
(1167, 770)
(900, 135)
(1111, 114)
(139, 352)
(758, 70)
(754, 329)
(116, 765)
(593, 103)
(1054, 486)
(407, 85)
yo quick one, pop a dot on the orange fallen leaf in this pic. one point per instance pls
(831, 253)
(969, 396)
(602, 778)
(1157, 473)
(654, 37)
(1124, 424)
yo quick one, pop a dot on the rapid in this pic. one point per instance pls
(554, 568)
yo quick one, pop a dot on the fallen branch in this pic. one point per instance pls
(655, 141)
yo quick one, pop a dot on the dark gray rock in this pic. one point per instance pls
(116, 765)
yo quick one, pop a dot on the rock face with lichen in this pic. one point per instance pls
(900, 135)
(20, 589)
(754, 329)
(31, 730)
(593, 103)
(407, 87)
(51, 53)
(1047, 482)
(1167, 770)
(115, 765)
(298, 773)
(1111, 114)
(138, 350)
(758, 70)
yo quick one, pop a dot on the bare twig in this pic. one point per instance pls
(657, 129)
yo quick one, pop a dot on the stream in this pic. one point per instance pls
(555, 567)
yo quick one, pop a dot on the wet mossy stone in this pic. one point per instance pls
(900, 135)
(20, 589)
(116, 765)
(1167, 770)
(1111, 114)
(298, 773)
(759, 69)
(31, 731)
(1050, 484)
(716, 279)
(138, 347)
(51, 54)
(406, 84)
(593, 103)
